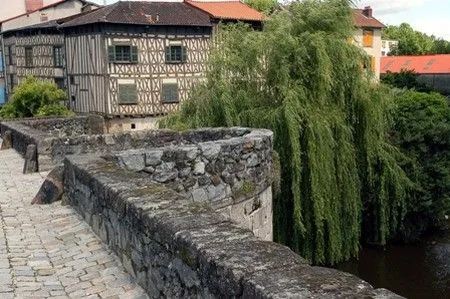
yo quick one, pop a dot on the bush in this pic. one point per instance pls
(34, 97)
(422, 131)
(405, 79)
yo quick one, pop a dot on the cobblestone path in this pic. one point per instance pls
(48, 251)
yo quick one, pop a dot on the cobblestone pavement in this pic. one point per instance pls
(49, 251)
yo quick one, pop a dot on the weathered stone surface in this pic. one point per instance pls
(52, 188)
(133, 160)
(153, 157)
(199, 168)
(48, 251)
(7, 140)
(176, 247)
(210, 150)
(31, 159)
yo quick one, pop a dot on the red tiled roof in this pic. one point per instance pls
(426, 64)
(229, 10)
(362, 21)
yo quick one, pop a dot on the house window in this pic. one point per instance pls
(127, 94)
(175, 54)
(368, 38)
(58, 56)
(72, 80)
(28, 56)
(123, 54)
(169, 93)
(60, 83)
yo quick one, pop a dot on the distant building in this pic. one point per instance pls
(19, 7)
(433, 70)
(368, 36)
(387, 45)
(53, 11)
(128, 60)
(32, 45)
(137, 59)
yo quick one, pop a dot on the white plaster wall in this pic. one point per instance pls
(60, 11)
(375, 50)
(11, 8)
(116, 125)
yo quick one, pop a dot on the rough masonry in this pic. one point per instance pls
(187, 212)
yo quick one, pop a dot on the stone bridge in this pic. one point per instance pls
(189, 214)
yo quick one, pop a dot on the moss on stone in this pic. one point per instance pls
(247, 189)
(188, 258)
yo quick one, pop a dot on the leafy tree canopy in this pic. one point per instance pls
(300, 77)
(405, 79)
(33, 97)
(412, 42)
(422, 131)
(265, 6)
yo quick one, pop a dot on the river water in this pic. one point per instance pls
(420, 271)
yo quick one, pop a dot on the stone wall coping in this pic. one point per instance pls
(230, 261)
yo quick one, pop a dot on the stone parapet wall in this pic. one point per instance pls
(232, 174)
(45, 133)
(179, 248)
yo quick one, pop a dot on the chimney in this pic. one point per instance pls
(367, 11)
(32, 5)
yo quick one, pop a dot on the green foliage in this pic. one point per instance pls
(422, 131)
(412, 42)
(35, 98)
(264, 6)
(405, 79)
(303, 80)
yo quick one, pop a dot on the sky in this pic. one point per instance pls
(429, 16)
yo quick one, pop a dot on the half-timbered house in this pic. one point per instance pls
(32, 45)
(135, 58)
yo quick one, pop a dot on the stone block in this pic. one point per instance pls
(199, 168)
(134, 161)
(153, 157)
(7, 140)
(52, 189)
(31, 159)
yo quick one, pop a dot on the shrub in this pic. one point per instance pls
(422, 131)
(34, 97)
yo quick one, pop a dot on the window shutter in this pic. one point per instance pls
(55, 59)
(134, 54)
(183, 54)
(168, 54)
(169, 93)
(112, 53)
(367, 38)
(127, 94)
(372, 63)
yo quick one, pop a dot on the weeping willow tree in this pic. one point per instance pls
(301, 78)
